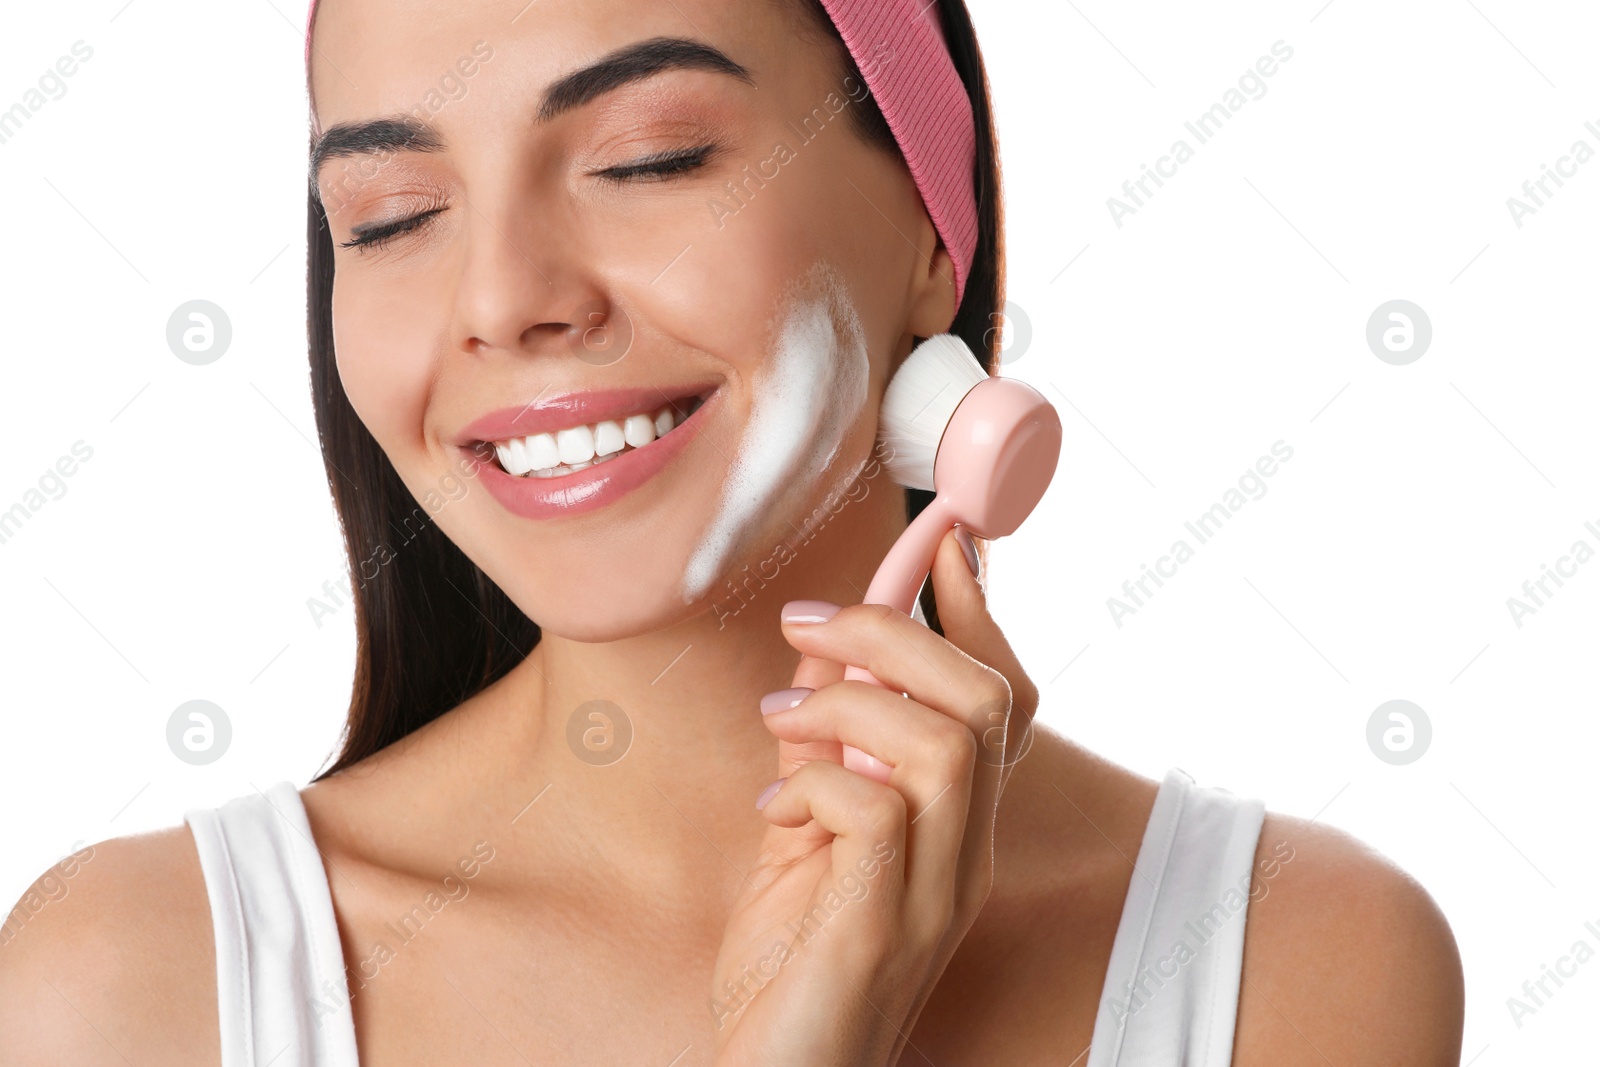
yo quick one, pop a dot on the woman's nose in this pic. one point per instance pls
(523, 288)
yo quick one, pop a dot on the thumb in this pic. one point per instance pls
(962, 600)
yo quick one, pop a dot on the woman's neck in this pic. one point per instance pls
(655, 742)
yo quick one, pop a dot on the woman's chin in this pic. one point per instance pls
(608, 604)
(615, 583)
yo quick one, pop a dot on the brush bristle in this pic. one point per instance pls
(922, 396)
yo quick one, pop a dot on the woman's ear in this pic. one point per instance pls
(933, 296)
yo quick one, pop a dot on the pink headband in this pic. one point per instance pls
(900, 48)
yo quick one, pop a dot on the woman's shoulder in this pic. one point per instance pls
(108, 957)
(1347, 958)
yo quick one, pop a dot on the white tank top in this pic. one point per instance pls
(1170, 996)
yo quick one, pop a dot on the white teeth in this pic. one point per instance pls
(639, 430)
(576, 445)
(550, 455)
(516, 458)
(608, 438)
(542, 451)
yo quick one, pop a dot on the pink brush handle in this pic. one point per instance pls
(897, 583)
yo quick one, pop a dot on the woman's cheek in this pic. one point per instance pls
(806, 399)
(384, 375)
(708, 288)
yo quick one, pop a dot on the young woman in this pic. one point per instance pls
(604, 299)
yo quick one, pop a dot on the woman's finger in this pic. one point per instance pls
(964, 617)
(931, 758)
(867, 818)
(934, 671)
(812, 673)
(901, 653)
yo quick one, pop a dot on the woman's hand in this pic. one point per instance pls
(862, 890)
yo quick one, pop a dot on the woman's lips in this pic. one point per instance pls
(588, 489)
(546, 414)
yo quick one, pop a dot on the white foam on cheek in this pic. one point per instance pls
(806, 398)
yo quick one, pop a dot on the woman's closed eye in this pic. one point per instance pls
(376, 235)
(660, 166)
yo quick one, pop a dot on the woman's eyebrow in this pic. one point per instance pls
(629, 63)
(632, 63)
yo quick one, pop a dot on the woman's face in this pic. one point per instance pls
(663, 232)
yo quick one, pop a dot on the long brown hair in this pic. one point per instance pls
(431, 628)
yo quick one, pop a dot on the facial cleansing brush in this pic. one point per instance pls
(986, 446)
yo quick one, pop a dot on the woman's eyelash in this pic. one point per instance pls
(384, 232)
(658, 167)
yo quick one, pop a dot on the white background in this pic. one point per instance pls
(1226, 314)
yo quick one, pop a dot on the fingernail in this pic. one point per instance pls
(769, 792)
(784, 699)
(969, 548)
(809, 611)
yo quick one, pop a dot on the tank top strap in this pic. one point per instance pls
(1171, 993)
(282, 998)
